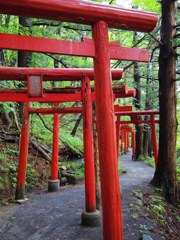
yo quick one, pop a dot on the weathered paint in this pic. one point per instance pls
(82, 12)
(90, 192)
(23, 153)
(110, 187)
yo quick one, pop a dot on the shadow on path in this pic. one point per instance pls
(56, 216)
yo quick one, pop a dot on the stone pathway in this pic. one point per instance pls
(56, 216)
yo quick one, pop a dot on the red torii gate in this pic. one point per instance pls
(135, 120)
(125, 130)
(99, 16)
(87, 97)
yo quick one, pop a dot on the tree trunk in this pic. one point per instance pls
(148, 106)
(24, 57)
(165, 174)
(139, 136)
(75, 128)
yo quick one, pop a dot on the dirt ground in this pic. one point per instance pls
(56, 216)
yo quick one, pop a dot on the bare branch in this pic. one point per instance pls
(58, 60)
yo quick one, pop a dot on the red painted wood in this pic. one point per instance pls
(137, 122)
(117, 133)
(81, 12)
(55, 146)
(126, 127)
(154, 139)
(90, 192)
(23, 97)
(48, 111)
(110, 187)
(131, 113)
(23, 153)
(84, 49)
(130, 93)
(53, 74)
(122, 108)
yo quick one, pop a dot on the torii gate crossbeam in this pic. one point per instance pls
(71, 48)
(52, 74)
(79, 11)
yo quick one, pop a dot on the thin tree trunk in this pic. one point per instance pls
(139, 136)
(148, 106)
(24, 57)
(73, 133)
(165, 174)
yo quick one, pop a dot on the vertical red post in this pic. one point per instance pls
(90, 217)
(118, 134)
(154, 140)
(133, 143)
(53, 183)
(123, 141)
(23, 153)
(110, 187)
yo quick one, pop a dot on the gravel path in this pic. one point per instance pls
(56, 216)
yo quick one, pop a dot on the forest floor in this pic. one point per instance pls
(56, 216)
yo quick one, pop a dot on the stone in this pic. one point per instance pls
(90, 219)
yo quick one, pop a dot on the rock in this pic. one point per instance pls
(74, 179)
(139, 202)
(146, 237)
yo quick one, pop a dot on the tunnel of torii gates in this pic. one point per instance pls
(34, 92)
(123, 129)
(100, 17)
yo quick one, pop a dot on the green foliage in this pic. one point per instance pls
(150, 161)
(31, 177)
(120, 168)
(144, 228)
(6, 107)
(75, 144)
(11, 151)
(75, 166)
(152, 5)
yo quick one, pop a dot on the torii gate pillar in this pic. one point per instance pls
(91, 216)
(23, 154)
(110, 187)
(53, 183)
(118, 134)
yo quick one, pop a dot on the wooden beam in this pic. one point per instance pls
(81, 12)
(71, 48)
(53, 74)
